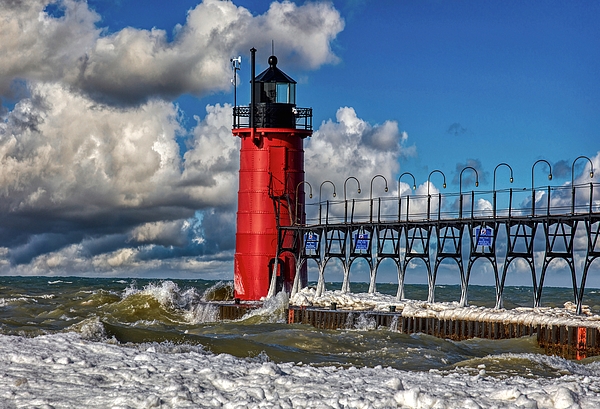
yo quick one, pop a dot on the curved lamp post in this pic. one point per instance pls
(429, 183)
(429, 179)
(494, 185)
(371, 193)
(320, 188)
(310, 196)
(460, 186)
(496, 168)
(400, 195)
(532, 185)
(573, 179)
(345, 197)
(413, 178)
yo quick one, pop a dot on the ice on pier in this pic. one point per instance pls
(447, 310)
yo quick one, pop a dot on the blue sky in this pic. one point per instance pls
(497, 82)
(132, 101)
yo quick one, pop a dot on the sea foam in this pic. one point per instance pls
(65, 370)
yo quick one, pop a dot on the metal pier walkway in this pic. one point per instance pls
(433, 228)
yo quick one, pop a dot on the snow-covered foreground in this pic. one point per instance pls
(64, 370)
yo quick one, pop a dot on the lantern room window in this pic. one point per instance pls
(286, 93)
(277, 92)
(273, 86)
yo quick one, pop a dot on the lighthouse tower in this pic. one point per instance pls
(271, 189)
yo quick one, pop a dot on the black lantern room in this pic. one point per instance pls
(274, 85)
(273, 102)
(275, 98)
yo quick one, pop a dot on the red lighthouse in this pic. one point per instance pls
(272, 130)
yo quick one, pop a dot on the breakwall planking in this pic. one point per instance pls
(571, 342)
(235, 311)
(443, 328)
(568, 341)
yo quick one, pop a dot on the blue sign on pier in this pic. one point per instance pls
(361, 241)
(311, 241)
(484, 236)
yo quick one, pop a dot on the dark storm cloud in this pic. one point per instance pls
(560, 169)
(218, 230)
(80, 177)
(103, 244)
(37, 245)
(456, 129)
(469, 177)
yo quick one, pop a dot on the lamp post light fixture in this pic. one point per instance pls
(320, 188)
(345, 197)
(428, 184)
(310, 196)
(400, 195)
(532, 185)
(494, 185)
(460, 186)
(573, 179)
(371, 193)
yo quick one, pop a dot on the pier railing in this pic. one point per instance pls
(549, 201)
(435, 227)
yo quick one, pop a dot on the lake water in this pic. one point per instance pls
(89, 342)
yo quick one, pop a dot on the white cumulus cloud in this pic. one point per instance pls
(351, 146)
(133, 65)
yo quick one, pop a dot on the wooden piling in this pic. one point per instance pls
(563, 340)
(235, 311)
(571, 342)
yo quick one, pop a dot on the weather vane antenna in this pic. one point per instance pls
(236, 63)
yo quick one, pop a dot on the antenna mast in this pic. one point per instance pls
(235, 65)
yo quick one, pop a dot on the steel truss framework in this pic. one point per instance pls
(434, 241)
